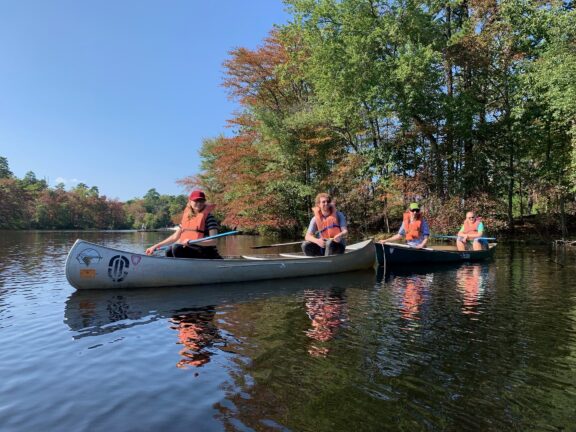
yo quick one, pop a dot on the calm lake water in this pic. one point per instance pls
(486, 347)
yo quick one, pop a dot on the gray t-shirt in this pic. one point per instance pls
(313, 229)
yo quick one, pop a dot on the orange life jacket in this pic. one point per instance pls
(413, 229)
(327, 225)
(193, 225)
(470, 227)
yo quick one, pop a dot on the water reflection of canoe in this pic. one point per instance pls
(93, 312)
(91, 266)
(393, 253)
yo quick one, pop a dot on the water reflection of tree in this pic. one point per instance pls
(198, 334)
(327, 311)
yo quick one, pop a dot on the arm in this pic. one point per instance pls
(401, 233)
(168, 240)
(479, 233)
(211, 242)
(343, 227)
(212, 228)
(393, 238)
(312, 228)
(461, 236)
(480, 230)
(423, 243)
(425, 234)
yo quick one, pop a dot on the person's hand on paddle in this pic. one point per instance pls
(393, 238)
(422, 245)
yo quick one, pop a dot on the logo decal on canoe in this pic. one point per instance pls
(118, 268)
(135, 259)
(89, 256)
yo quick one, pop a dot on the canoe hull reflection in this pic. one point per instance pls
(90, 312)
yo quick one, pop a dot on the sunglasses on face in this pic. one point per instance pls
(415, 210)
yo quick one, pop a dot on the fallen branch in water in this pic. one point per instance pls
(564, 242)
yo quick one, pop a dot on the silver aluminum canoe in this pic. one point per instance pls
(91, 266)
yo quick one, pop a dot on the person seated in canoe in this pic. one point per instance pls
(197, 222)
(470, 232)
(327, 229)
(414, 228)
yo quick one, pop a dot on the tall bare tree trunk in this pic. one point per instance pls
(511, 175)
(449, 134)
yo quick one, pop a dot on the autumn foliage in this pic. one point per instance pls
(446, 103)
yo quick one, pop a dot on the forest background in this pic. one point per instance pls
(459, 105)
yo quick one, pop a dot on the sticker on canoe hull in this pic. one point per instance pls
(118, 268)
(88, 257)
(87, 273)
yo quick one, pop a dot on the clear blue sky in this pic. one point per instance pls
(119, 94)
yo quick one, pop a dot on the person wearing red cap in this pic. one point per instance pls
(197, 222)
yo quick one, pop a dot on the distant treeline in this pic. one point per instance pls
(461, 105)
(29, 203)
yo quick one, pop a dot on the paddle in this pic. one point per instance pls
(276, 244)
(327, 247)
(455, 237)
(281, 244)
(213, 237)
(406, 246)
(202, 239)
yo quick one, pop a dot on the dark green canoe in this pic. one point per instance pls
(395, 253)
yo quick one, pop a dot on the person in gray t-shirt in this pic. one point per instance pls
(327, 229)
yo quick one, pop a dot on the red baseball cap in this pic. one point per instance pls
(197, 195)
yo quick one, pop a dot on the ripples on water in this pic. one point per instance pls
(470, 347)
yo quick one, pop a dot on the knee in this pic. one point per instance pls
(479, 245)
(337, 248)
(310, 249)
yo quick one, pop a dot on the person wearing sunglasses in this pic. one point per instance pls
(414, 228)
(470, 232)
